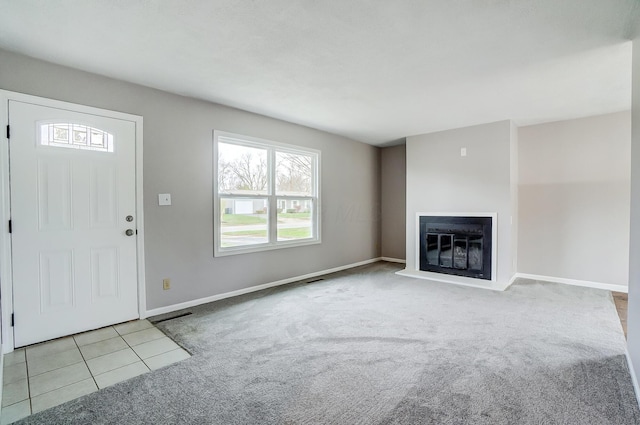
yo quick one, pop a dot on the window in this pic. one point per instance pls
(75, 136)
(266, 194)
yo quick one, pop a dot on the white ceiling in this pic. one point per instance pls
(372, 70)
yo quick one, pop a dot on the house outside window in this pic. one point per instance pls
(266, 194)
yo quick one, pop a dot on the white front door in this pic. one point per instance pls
(73, 202)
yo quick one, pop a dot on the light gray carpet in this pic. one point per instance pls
(367, 346)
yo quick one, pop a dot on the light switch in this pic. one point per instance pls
(463, 151)
(164, 199)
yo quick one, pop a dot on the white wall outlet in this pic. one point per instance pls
(164, 199)
(463, 151)
(166, 284)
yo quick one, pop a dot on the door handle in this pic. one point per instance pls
(129, 232)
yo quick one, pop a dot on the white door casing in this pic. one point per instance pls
(74, 268)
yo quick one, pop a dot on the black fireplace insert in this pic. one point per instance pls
(456, 245)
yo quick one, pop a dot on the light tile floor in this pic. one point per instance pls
(44, 375)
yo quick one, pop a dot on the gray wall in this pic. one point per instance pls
(393, 188)
(633, 320)
(177, 160)
(440, 180)
(574, 199)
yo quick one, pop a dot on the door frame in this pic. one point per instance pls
(6, 281)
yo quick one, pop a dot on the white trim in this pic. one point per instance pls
(459, 280)
(199, 301)
(6, 283)
(393, 260)
(477, 283)
(142, 279)
(575, 282)
(634, 378)
(455, 280)
(1, 375)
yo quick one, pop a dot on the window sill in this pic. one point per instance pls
(224, 252)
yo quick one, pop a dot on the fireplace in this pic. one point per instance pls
(456, 245)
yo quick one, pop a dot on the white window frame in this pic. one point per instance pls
(270, 196)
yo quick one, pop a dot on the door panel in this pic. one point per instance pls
(103, 195)
(72, 186)
(56, 284)
(54, 194)
(104, 274)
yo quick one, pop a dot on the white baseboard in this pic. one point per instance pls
(575, 282)
(1, 373)
(199, 301)
(634, 378)
(393, 260)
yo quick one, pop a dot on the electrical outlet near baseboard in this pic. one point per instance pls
(166, 284)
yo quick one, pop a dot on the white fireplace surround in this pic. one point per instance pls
(457, 280)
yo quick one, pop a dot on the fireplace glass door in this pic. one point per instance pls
(456, 245)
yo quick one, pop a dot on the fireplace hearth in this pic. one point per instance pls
(456, 245)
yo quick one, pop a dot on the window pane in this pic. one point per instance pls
(294, 219)
(243, 222)
(75, 136)
(242, 169)
(293, 174)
